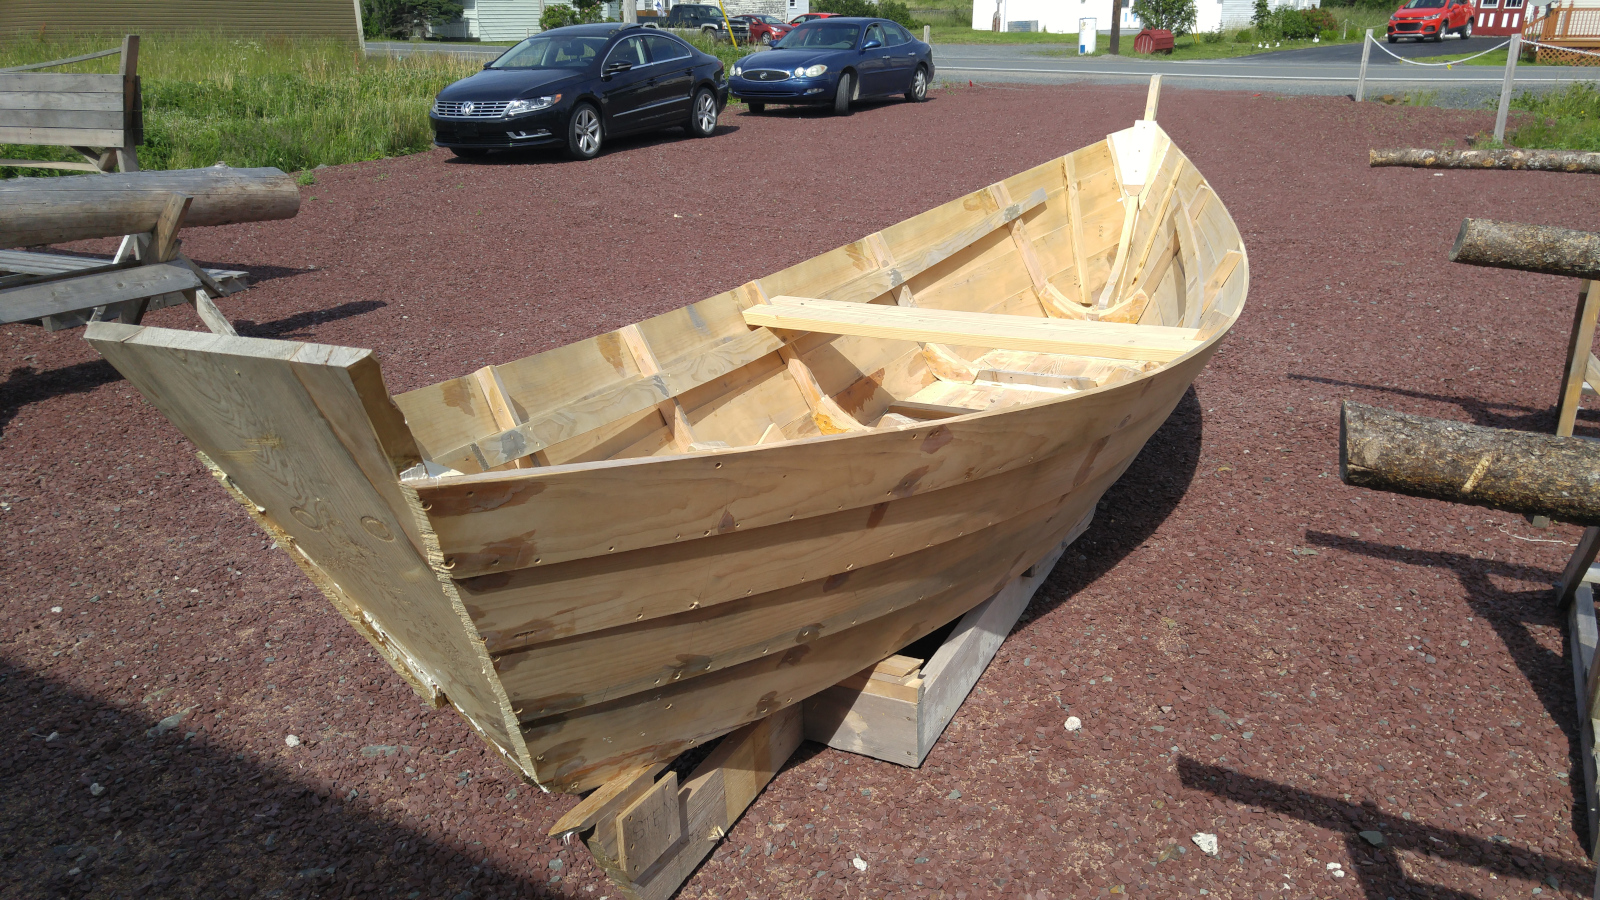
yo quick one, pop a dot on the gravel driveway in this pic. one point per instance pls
(1256, 651)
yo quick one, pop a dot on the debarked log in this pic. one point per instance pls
(1536, 160)
(1514, 471)
(81, 207)
(1531, 248)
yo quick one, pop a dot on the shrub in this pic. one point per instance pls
(557, 15)
(893, 10)
(1320, 19)
(1213, 37)
(1294, 26)
(404, 18)
(1176, 16)
(1244, 36)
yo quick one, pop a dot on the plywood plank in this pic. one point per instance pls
(57, 82)
(60, 100)
(20, 304)
(290, 423)
(1110, 340)
(61, 137)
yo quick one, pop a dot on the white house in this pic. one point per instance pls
(493, 20)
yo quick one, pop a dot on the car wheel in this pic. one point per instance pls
(842, 95)
(757, 108)
(918, 91)
(1393, 39)
(1466, 30)
(703, 114)
(584, 133)
(766, 39)
(469, 152)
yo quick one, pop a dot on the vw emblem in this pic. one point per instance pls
(467, 108)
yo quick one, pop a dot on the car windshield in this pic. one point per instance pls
(1425, 4)
(770, 20)
(552, 51)
(821, 35)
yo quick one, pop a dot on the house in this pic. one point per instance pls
(492, 20)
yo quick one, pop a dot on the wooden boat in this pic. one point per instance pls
(608, 553)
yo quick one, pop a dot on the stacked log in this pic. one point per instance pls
(1536, 160)
(1530, 248)
(79, 207)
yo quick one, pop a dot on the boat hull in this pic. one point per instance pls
(611, 552)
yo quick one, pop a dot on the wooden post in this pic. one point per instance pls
(1578, 350)
(132, 107)
(927, 34)
(1505, 88)
(1116, 27)
(1361, 80)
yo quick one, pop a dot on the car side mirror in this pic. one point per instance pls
(613, 68)
(872, 45)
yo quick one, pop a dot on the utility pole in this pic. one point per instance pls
(1116, 27)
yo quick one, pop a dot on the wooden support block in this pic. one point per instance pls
(1112, 340)
(899, 719)
(649, 826)
(1578, 566)
(912, 409)
(164, 238)
(641, 813)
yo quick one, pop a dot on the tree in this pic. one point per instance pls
(405, 18)
(1176, 16)
(557, 15)
(1263, 14)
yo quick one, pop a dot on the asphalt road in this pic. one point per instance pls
(1316, 70)
(1331, 69)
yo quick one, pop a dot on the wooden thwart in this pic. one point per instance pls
(1111, 340)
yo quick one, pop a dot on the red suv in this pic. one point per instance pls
(1428, 20)
(764, 29)
(810, 17)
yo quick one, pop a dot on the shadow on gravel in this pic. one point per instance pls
(1489, 415)
(287, 326)
(25, 385)
(824, 112)
(177, 818)
(1377, 869)
(1509, 613)
(558, 155)
(1133, 508)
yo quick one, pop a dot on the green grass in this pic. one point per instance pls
(1566, 120)
(293, 104)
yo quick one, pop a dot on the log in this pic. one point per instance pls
(1514, 471)
(1536, 160)
(1531, 248)
(80, 207)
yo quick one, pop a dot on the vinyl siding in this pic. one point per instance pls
(507, 20)
(295, 18)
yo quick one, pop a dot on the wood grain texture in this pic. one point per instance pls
(33, 301)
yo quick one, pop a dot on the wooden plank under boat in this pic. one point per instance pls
(611, 552)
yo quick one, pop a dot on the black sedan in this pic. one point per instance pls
(579, 86)
(835, 61)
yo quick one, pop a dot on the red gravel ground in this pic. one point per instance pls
(1256, 650)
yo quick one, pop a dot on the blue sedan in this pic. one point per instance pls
(834, 61)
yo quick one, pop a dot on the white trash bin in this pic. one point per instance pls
(1086, 35)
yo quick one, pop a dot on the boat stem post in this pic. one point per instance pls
(1153, 99)
(1361, 80)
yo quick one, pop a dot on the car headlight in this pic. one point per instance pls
(532, 104)
(811, 72)
(738, 69)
